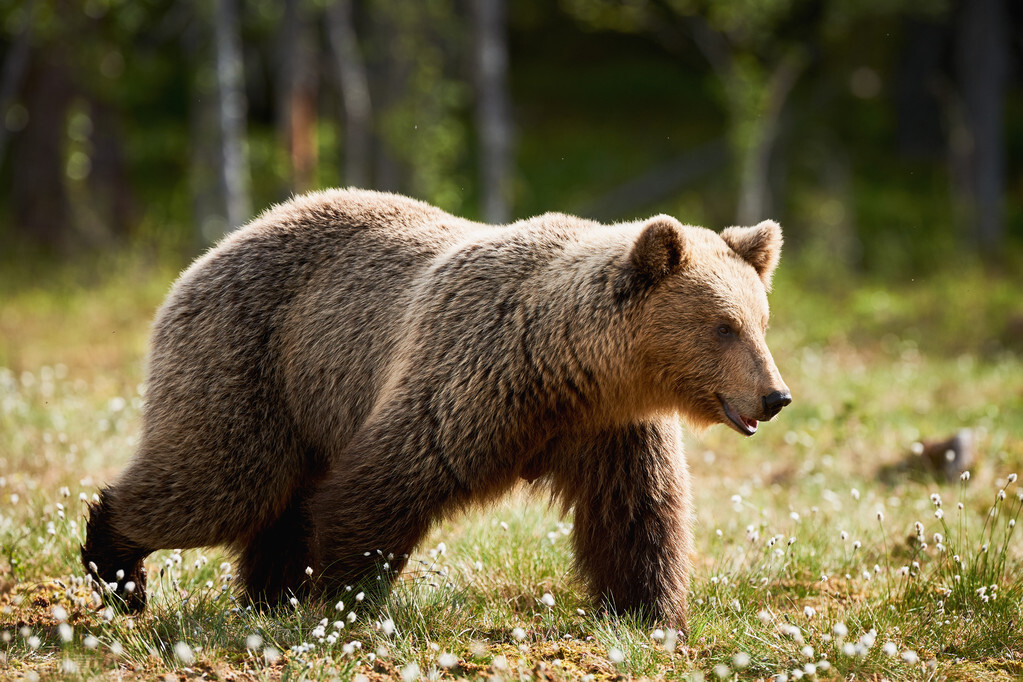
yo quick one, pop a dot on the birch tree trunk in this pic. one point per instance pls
(493, 116)
(234, 171)
(353, 84)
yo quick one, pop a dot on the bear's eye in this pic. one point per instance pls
(726, 331)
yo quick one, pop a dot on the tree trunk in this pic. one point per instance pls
(15, 65)
(231, 102)
(983, 64)
(353, 84)
(493, 117)
(40, 199)
(296, 94)
(755, 182)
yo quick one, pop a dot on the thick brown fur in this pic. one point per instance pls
(330, 380)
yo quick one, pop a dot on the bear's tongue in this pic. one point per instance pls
(751, 423)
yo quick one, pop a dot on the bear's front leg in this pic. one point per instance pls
(375, 506)
(633, 535)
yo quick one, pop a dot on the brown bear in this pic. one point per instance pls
(330, 380)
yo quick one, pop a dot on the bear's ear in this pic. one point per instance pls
(760, 246)
(660, 250)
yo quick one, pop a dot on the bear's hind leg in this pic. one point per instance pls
(110, 557)
(273, 563)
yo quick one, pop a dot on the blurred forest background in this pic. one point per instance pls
(885, 135)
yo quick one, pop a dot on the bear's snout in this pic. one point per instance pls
(774, 402)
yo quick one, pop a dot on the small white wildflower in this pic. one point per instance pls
(849, 649)
(271, 655)
(740, 661)
(309, 571)
(936, 499)
(447, 660)
(294, 602)
(116, 649)
(351, 616)
(90, 642)
(890, 649)
(518, 634)
(765, 616)
(59, 614)
(340, 606)
(657, 635)
(721, 671)
(360, 596)
(615, 655)
(1012, 479)
(807, 651)
(856, 545)
(965, 476)
(183, 653)
(253, 642)
(809, 611)
(880, 515)
(387, 627)
(840, 630)
(670, 639)
(547, 599)
(855, 493)
(909, 656)
(65, 632)
(499, 663)
(844, 535)
(938, 513)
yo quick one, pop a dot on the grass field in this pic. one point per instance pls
(809, 560)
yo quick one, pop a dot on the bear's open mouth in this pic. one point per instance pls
(744, 425)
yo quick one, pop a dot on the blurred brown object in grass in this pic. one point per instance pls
(950, 457)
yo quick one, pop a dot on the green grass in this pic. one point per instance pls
(794, 570)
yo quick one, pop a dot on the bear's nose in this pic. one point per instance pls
(774, 402)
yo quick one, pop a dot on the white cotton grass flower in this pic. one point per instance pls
(59, 614)
(809, 612)
(741, 660)
(518, 634)
(890, 649)
(184, 653)
(910, 656)
(360, 596)
(547, 599)
(253, 642)
(657, 635)
(615, 655)
(65, 632)
(309, 571)
(447, 660)
(1012, 478)
(721, 671)
(271, 655)
(90, 642)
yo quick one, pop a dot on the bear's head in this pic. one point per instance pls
(703, 321)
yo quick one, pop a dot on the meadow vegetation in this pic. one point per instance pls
(824, 548)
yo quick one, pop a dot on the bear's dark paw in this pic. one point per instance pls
(113, 561)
